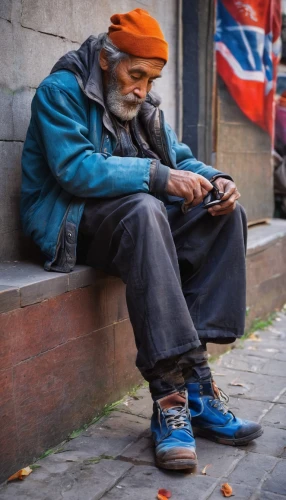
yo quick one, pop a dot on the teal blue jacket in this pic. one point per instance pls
(67, 158)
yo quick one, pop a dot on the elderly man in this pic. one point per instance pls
(106, 181)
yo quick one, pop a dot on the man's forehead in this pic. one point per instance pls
(145, 65)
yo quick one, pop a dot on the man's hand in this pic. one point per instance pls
(192, 187)
(229, 198)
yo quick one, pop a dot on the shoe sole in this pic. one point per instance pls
(177, 464)
(231, 442)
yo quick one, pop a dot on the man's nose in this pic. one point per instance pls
(140, 92)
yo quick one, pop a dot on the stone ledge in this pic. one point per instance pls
(25, 283)
(262, 236)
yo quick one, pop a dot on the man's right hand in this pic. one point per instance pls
(192, 187)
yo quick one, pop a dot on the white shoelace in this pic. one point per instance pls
(220, 401)
(176, 417)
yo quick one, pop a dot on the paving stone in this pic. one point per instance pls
(249, 385)
(272, 442)
(273, 341)
(80, 481)
(238, 361)
(275, 333)
(5, 9)
(140, 453)
(276, 416)
(276, 483)
(248, 408)
(57, 463)
(240, 491)
(221, 457)
(282, 399)
(9, 298)
(253, 364)
(273, 353)
(143, 482)
(109, 438)
(266, 495)
(140, 405)
(252, 468)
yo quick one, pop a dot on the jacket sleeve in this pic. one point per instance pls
(185, 159)
(62, 131)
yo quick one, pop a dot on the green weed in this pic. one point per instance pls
(259, 324)
(96, 460)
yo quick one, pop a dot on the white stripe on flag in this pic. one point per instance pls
(243, 74)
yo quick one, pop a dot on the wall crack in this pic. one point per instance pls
(50, 34)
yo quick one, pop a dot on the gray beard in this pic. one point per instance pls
(125, 107)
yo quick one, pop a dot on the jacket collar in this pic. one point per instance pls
(84, 63)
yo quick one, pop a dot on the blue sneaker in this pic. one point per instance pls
(172, 433)
(211, 418)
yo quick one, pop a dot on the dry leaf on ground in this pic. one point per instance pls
(163, 494)
(236, 383)
(255, 337)
(226, 490)
(204, 471)
(20, 474)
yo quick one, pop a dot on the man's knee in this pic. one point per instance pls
(240, 211)
(147, 206)
(238, 215)
(148, 214)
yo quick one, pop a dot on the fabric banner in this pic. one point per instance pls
(247, 53)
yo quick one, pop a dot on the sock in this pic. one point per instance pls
(164, 378)
(195, 365)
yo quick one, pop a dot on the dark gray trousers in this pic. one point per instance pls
(185, 273)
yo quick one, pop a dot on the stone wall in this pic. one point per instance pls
(244, 151)
(33, 35)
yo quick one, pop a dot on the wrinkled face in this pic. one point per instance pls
(127, 88)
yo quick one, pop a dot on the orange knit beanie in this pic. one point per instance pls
(138, 34)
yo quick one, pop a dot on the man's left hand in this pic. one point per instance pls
(229, 198)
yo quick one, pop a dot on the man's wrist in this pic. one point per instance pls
(224, 176)
(159, 176)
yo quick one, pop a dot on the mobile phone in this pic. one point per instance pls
(214, 197)
(211, 203)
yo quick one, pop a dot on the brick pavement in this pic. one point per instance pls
(113, 459)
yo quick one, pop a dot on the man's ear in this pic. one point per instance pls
(103, 60)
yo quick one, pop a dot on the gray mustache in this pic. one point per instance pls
(130, 99)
